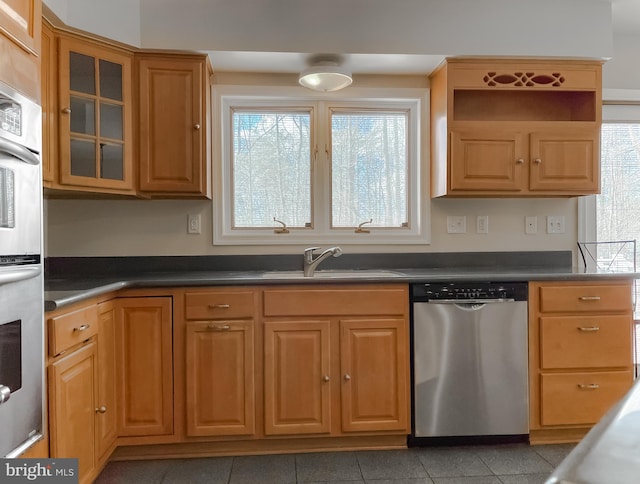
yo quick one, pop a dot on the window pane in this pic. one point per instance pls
(618, 212)
(369, 169)
(271, 168)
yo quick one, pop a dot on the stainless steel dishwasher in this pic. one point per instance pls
(470, 354)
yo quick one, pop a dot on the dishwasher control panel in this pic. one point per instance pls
(434, 291)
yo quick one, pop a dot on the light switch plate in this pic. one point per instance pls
(193, 224)
(456, 224)
(555, 224)
(482, 224)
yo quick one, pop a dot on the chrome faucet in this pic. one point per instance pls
(310, 264)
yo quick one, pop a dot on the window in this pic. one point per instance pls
(307, 170)
(614, 214)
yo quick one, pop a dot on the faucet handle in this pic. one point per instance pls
(308, 253)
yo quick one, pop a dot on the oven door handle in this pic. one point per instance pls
(16, 275)
(17, 151)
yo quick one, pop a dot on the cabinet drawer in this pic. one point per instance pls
(219, 304)
(70, 329)
(587, 298)
(581, 398)
(586, 341)
(326, 302)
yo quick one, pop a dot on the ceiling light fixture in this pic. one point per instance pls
(325, 74)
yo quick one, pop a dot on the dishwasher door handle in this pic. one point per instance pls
(470, 301)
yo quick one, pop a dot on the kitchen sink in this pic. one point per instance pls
(329, 274)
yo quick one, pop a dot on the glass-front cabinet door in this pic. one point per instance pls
(95, 117)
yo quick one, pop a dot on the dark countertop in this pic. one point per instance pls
(63, 290)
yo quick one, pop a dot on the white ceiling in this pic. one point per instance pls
(625, 20)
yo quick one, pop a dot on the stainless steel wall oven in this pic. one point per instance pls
(21, 275)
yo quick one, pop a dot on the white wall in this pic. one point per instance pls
(159, 227)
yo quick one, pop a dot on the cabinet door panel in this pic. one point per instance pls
(95, 117)
(72, 394)
(374, 372)
(171, 125)
(565, 161)
(106, 403)
(20, 21)
(219, 378)
(145, 380)
(296, 377)
(487, 161)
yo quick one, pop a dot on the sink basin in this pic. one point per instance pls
(346, 274)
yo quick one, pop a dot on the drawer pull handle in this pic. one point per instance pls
(589, 328)
(218, 327)
(83, 327)
(219, 306)
(589, 298)
(590, 386)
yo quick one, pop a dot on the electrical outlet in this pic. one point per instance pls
(482, 224)
(456, 224)
(193, 224)
(555, 224)
(531, 225)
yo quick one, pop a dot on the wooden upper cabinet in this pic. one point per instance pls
(174, 125)
(20, 22)
(95, 125)
(20, 28)
(506, 128)
(48, 78)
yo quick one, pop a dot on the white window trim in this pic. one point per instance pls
(416, 100)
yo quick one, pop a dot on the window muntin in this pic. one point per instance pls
(369, 170)
(271, 168)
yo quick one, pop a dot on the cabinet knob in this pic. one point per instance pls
(326, 378)
(347, 377)
(520, 161)
(66, 110)
(196, 127)
(537, 161)
(101, 409)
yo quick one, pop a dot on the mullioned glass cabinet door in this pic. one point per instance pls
(95, 116)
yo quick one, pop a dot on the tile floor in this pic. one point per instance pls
(496, 464)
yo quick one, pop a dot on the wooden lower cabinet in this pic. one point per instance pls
(220, 389)
(297, 374)
(336, 360)
(144, 356)
(580, 355)
(373, 361)
(106, 404)
(72, 404)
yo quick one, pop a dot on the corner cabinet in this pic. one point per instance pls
(581, 355)
(95, 125)
(511, 128)
(175, 152)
